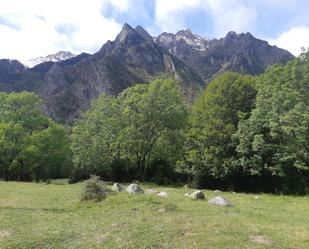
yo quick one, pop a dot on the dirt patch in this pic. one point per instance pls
(99, 238)
(260, 239)
(4, 234)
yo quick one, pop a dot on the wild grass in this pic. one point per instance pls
(37, 216)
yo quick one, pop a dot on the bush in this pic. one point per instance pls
(94, 190)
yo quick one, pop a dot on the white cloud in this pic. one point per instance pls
(226, 15)
(230, 15)
(170, 15)
(293, 39)
(34, 27)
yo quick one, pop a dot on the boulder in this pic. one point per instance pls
(197, 195)
(217, 191)
(135, 189)
(163, 194)
(117, 187)
(221, 201)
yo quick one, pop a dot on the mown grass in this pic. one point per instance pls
(51, 216)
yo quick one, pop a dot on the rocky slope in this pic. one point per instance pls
(133, 57)
(68, 86)
(236, 52)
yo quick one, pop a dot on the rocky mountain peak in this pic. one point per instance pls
(130, 35)
(142, 32)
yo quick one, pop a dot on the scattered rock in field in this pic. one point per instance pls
(117, 187)
(217, 191)
(163, 194)
(197, 195)
(260, 239)
(135, 189)
(233, 192)
(162, 210)
(256, 197)
(152, 191)
(185, 186)
(221, 201)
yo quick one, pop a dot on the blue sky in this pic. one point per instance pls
(39, 27)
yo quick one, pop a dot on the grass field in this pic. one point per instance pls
(51, 216)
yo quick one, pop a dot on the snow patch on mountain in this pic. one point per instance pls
(59, 56)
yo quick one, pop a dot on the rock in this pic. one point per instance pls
(162, 210)
(163, 194)
(234, 193)
(117, 187)
(256, 197)
(217, 191)
(152, 191)
(186, 186)
(135, 189)
(221, 201)
(197, 195)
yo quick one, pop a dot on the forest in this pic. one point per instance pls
(243, 133)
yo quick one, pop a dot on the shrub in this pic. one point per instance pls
(94, 190)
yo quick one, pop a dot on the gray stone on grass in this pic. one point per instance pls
(117, 187)
(163, 194)
(196, 195)
(135, 189)
(221, 201)
(217, 191)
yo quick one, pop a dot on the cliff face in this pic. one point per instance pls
(132, 58)
(68, 86)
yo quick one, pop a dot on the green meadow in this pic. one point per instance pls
(34, 215)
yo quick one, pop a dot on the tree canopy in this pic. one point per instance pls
(31, 145)
(213, 120)
(142, 126)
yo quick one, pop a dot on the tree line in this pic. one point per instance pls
(242, 133)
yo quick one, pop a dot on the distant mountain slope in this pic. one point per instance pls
(68, 86)
(59, 56)
(236, 52)
(132, 58)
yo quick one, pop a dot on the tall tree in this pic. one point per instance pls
(214, 118)
(274, 141)
(24, 128)
(143, 124)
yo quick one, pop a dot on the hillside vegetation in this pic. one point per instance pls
(243, 133)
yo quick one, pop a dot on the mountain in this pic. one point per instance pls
(68, 86)
(59, 56)
(235, 52)
(133, 57)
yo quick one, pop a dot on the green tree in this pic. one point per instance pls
(274, 142)
(24, 128)
(95, 143)
(214, 118)
(154, 116)
(142, 125)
